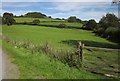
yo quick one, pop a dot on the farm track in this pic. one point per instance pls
(8, 70)
(0, 64)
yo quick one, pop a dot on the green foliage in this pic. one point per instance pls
(49, 17)
(62, 25)
(113, 33)
(108, 27)
(91, 24)
(35, 15)
(110, 20)
(8, 18)
(100, 31)
(40, 66)
(36, 21)
(73, 19)
(57, 19)
(110, 31)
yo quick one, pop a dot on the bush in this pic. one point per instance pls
(110, 30)
(91, 24)
(100, 31)
(8, 19)
(96, 28)
(62, 26)
(36, 21)
(73, 19)
(35, 15)
(24, 22)
(112, 33)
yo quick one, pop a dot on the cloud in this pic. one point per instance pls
(56, 0)
(18, 13)
(83, 15)
(67, 6)
(0, 8)
(74, 6)
(84, 11)
(17, 4)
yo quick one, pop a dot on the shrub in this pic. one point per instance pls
(110, 30)
(100, 31)
(91, 24)
(73, 19)
(62, 26)
(8, 19)
(24, 22)
(112, 33)
(36, 21)
(35, 15)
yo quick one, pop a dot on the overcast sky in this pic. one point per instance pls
(83, 10)
(58, 0)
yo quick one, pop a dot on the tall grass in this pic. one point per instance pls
(67, 57)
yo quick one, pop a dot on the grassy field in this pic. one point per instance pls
(36, 65)
(23, 19)
(67, 23)
(48, 21)
(40, 66)
(55, 36)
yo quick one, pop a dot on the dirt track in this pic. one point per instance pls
(9, 70)
(0, 64)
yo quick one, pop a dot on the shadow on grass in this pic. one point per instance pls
(90, 43)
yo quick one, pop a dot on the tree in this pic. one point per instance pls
(8, 19)
(110, 20)
(73, 19)
(49, 17)
(109, 27)
(91, 24)
(57, 19)
(35, 15)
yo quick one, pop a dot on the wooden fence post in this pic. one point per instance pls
(80, 52)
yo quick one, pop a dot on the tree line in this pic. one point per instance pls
(108, 27)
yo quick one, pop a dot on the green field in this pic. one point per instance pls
(23, 19)
(44, 67)
(67, 23)
(48, 21)
(55, 36)
(40, 66)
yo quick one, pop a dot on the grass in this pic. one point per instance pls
(47, 21)
(40, 65)
(23, 19)
(67, 23)
(105, 62)
(58, 38)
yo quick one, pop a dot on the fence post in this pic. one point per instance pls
(80, 52)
